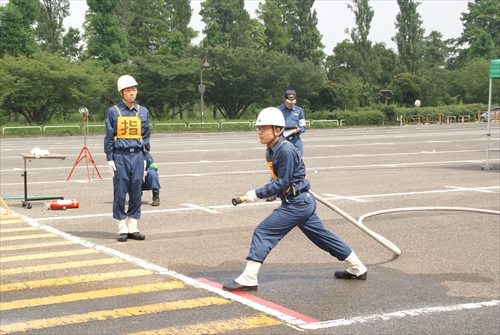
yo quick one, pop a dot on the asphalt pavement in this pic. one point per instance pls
(439, 185)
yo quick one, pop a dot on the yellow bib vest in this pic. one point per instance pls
(128, 126)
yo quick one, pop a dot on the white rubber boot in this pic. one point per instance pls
(132, 225)
(122, 227)
(355, 266)
(249, 276)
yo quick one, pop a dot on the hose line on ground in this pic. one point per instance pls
(382, 240)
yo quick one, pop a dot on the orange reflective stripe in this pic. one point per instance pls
(270, 164)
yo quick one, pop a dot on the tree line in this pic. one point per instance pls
(48, 71)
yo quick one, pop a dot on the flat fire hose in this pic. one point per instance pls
(380, 239)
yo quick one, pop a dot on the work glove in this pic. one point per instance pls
(145, 173)
(112, 168)
(251, 196)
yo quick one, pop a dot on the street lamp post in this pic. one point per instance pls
(201, 88)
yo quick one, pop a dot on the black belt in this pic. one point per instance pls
(128, 149)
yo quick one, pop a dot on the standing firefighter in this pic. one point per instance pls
(126, 141)
(297, 209)
(295, 121)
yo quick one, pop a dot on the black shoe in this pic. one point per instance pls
(136, 236)
(271, 198)
(346, 275)
(122, 238)
(234, 286)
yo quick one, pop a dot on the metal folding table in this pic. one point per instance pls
(30, 156)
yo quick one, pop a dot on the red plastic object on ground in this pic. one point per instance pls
(63, 204)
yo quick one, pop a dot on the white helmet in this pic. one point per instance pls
(126, 81)
(270, 116)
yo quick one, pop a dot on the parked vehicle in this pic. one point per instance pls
(494, 115)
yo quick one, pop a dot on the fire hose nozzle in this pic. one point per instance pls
(238, 200)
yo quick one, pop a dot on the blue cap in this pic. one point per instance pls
(290, 96)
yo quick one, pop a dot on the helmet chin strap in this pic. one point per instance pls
(276, 135)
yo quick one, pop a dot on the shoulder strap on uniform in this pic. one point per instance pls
(118, 110)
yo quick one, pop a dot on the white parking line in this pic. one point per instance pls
(398, 314)
(454, 189)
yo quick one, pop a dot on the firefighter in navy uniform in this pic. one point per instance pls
(295, 121)
(297, 209)
(126, 142)
(151, 180)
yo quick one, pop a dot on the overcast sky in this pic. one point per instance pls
(334, 17)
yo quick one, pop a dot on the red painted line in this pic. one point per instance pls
(263, 302)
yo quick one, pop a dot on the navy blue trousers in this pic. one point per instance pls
(152, 181)
(127, 180)
(299, 211)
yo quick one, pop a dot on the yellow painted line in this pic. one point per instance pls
(114, 292)
(32, 246)
(59, 266)
(12, 230)
(74, 280)
(110, 314)
(9, 221)
(217, 327)
(48, 255)
(26, 237)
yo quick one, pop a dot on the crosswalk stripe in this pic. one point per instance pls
(74, 280)
(113, 292)
(111, 314)
(13, 230)
(26, 237)
(10, 221)
(59, 266)
(217, 327)
(33, 246)
(48, 255)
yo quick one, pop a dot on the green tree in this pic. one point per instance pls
(409, 36)
(471, 83)
(45, 85)
(366, 67)
(181, 17)
(290, 26)
(17, 35)
(305, 39)
(483, 18)
(227, 23)
(50, 29)
(150, 27)
(349, 89)
(165, 82)
(482, 47)
(106, 40)
(71, 47)
(406, 88)
(270, 14)
(241, 77)
(435, 51)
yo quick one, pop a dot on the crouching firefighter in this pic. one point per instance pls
(151, 180)
(297, 209)
(126, 141)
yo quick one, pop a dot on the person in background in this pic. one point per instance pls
(295, 121)
(151, 180)
(125, 143)
(298, 208)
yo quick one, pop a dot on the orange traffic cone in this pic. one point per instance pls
(447, 120)
(463, 121)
